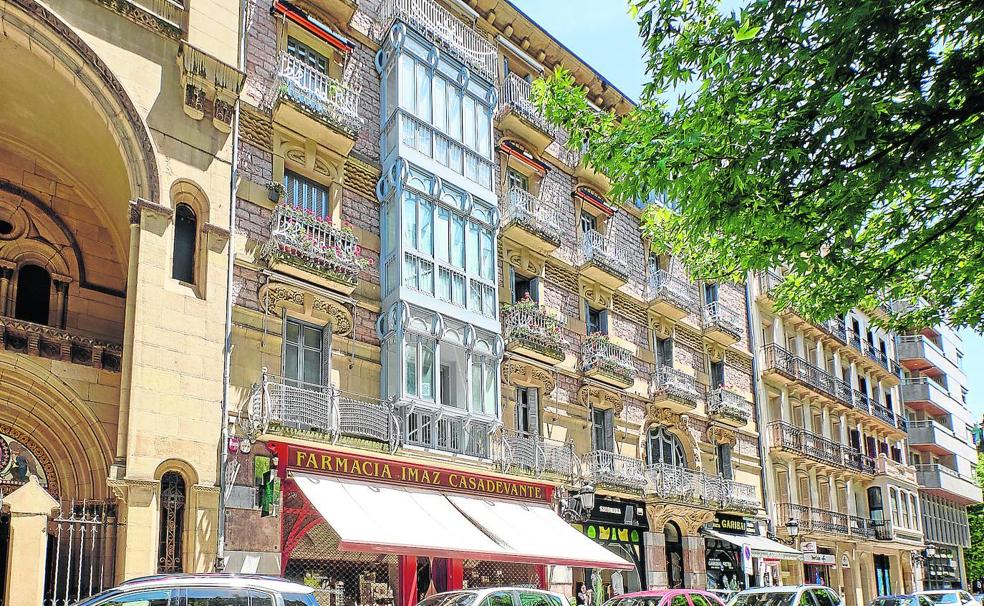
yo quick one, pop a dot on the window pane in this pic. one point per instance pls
(423, 94)
(489, 404)
(488, 257)
(475, 297)
(484, 122)
(458, 290)
(312, 366)
(444, 285)
(458, 241)
(141, 598)
(440, 104)
(407, 94)
(441, 233)
(410, 220)
(476, 385)
(426, 277)
(183, 265)
(426, 227)
(216, 596)
(410, 353)
(468, 113)
(454, 113)
(290, 362)
(293, 332)
(312, 337)
(409, 271)
(257, 598)
(473, 248)
(427, 371)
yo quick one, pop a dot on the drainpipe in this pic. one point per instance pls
(227, 344)
(756, 400)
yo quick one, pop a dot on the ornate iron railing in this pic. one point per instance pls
(663, 286)
(525, 209)
(861, 527)
(595, 248)
(813, 519)
(725, 403)
(445, 30)
(768, 281)
(531, 325)
(717, 316)
(795, 367)
(801, 441)
(611, 469)
(674, 483)
(447, 429)
(858, 461)
(299, 237)
(598, 353)
(882, 412)
(319, 94)
(517, 95)
(537, 456)
(675, 384)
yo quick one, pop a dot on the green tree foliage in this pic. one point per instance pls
(974, 556)
(842, 140)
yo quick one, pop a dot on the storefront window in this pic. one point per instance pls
(723, 566)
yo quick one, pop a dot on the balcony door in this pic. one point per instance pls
(307, 195)
(664, 447)
(517, 180)
(527, 411)
(664, 352)
(603, 429)
(303, 347)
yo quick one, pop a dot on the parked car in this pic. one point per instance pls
(788, 595)
(667, 597)
(954, 597)
(901, 600)
(205, 590)
(496, 596)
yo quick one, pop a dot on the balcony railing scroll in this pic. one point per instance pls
(726, 403)
(612, 469)
(676, 384)
(299, 237)
(599, 353)
(719, 316)
(664, 286)
(517, 95)
(525, 209)
(536, 455)
(318, 93)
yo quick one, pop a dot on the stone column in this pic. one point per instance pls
(821, 359)
(6, 274)
(694, 563)
(655, 546)
(800, 346)
(852, 506)
(29, 507)
(825, 423)
(139, 512)
(58, 310)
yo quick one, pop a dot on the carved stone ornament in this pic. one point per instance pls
(689, 519)
(715, 352)
(597, 295)
(278, 297)
(519, 373)
(661, 327)
(591, 396)
(719, 435)
(525, 261)
(664, 417)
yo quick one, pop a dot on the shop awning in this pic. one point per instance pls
(406, 521)
(761, 547)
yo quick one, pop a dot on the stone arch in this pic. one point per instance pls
(55, 41)
(185, 191)
(38, 404)
(186, 469)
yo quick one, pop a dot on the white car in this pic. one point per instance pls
(788, 595)
(950, 597)
(206, 589)
(496, 596)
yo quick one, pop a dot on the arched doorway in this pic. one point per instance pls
(674, 555)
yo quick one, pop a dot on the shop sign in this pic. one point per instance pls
(823, 559)
(610, 534)
(730, 524)
(845, 561)
(808, 546)
(619, 513)
(746, 558)
(363, 468)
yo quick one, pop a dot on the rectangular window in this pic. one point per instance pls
(468, 111)
(473, 257)
(589, 223)
(527, 411)
(442, 234)
(305, 194)
(603, 429)
(407, 91)
(307, 55)
(717, 374)
(303, 345)
(488, 254)
(724, 461)
(410, 220)
(517, 180)
(426, 218)
(523, 287)
(596, 320)
(664, 352)
(440, 104)
(710, 293)
(458, 241)
(410, 370)
(447, 395)
(427, 370)
(423, 92)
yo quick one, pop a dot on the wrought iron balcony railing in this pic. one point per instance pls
(673, 483)
(768, 281)
(789, 437)
(663, 286)
(794, 367)
(813, 519)
(717, 316)
(446, 30)
(517, 96)
(599, 354)
(536, 455)
(611, 469)
(725, 403)
(595, 248)
(320, 95)
(531, 326)
(675, 384)
(526, 210)
(303, 239)
(445, 428)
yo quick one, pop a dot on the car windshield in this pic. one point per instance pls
(943, 598)
(97, 598)
(890, 602)
(765, 598)
(633, 602)
(457, 598)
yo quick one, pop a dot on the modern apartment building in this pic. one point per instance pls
(437, 304)
(941, 447)
(115, 181)
(838, 469)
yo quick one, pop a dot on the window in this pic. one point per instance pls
(171, 539)
(596, 320)
(185, 236)
(699, 600)
(717, 374)
(216, 596)
(710, 293)
(483, 384)
(589, 222)
(303, 345)
(825, 598)
(724, 461)
(258, 598)
(663, 446)
(305, 194)
(499, 599)
(297, 599)
(517, 180)
(523, 287)
(531, 598)
(307, 56)
(419, 369)
(664, 352)
(527, 411)
(154, 597)
(603, 429)
(33, 300)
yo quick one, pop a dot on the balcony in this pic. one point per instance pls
(721, 324)
(767, 283)
(923, 393)
(165, 17)
(605, 361)
(529, 330)
(895, 470)
(312, 248)
(673, 388)
(919, 353)
(873, 358)
(445, 429)
(669, 295)
(39, 340)
(322, 413)
(537, 456)
(782, 365)
(786, 437)
(445, 30)
(728, 407)
(930, 436)
(602, 261)
(678, 484)
(884, 413)
(531, 223)
(942, 481)
(603, 468)
(520, 116)
(816, 520)
(308, 101)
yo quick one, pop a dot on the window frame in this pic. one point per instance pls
(324, 349)
(191, 278)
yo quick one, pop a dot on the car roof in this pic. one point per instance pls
(486, 590)
(783, 588)
(655, 593)
(252, 581)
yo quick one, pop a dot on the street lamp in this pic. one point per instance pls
(793, 528)
(930, 551)
(575, 506)
(587, 497)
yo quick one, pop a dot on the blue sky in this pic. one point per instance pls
(603, 35)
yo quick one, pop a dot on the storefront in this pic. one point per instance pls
(619, 526)
(817, 563)
(943, 569)
(372, 530)
(724, 540)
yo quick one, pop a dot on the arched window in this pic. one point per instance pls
(674, 555)
(33, 294)
(664, 447)
(185, 237)
(170, 543)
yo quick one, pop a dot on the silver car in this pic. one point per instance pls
(205, 590)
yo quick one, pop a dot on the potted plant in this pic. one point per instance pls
(275, 191)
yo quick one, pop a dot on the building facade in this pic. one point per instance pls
(428, 275)
(838, 467)
(115, 170)
(941, 447)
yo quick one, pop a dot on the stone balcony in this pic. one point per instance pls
(942, 481)
(678, 484)
(312, 248)
(529, 330)
(530, 222)
(895, 470)
(306, 100)
(166, 17)
(603, 468)
(519, 115)
(537, 456)
(919, 353)
(930, 436)
(669, 295)
(923, 393)
(603, 360)
(602, 261)
(721, 323)
(729, 407)
(20, 336)
(674, 389)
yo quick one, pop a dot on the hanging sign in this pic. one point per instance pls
(746, 558)
(845, 561)
(808, 546)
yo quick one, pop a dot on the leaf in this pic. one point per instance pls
(745, 32)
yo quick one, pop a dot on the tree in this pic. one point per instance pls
(841, 140)
(974, 555)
